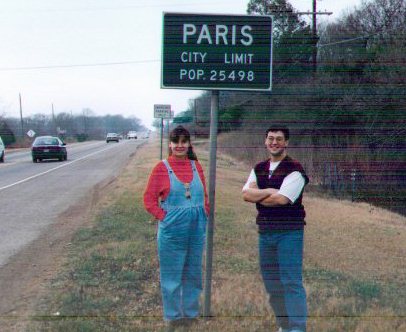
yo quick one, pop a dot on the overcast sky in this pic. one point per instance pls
(47, 33)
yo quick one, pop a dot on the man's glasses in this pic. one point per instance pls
(278, 139)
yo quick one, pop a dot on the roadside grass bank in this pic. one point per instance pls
(354, 264)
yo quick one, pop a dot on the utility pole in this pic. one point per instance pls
(84, 123)
(53, 119)
(314, 30)
(162, 134)
(21, 117)
(195, 117)
(168, 132)
(314, 14)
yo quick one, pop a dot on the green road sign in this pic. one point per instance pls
(216, 52)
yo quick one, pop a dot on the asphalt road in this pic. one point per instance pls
(33, 195)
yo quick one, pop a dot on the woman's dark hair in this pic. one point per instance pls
(174, 137)
(282, 128)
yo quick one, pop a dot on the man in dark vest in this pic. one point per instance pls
(276, 187)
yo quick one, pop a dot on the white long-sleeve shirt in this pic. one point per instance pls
(291, 187)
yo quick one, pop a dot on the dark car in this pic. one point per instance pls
(112, 137)
(48, 147)
(2, 149)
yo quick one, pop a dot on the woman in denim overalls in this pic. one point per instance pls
(181, 230)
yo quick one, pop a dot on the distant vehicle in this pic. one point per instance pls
(48, 147)
(145, 135)
(132, 134)
(2, 151)
(112, 137)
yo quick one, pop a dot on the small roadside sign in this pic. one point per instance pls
(31, 133)
(162, 111)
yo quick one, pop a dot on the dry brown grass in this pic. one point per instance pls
(348, 247)
(356, 239)
(351, 240)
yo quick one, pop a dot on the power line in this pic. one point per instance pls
(344, 41)
(314, 14)
(80, 65)
(152, 61)
(356, 38)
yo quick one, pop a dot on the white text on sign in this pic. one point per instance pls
(217, 75)
(229, 58)
(238, 58)
(193, 57)
(226, 35)
(162, 111)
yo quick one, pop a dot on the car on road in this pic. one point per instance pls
(112, 137)
(2, 151)
(48, 147)
(132, 134)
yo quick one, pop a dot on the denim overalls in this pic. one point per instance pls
(181, 238)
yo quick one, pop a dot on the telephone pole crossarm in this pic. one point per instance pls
(299, 13)
(314, 14)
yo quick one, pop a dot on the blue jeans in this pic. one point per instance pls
(281, 262)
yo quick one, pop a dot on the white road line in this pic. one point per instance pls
(53, 169)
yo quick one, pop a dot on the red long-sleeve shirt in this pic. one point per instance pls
(158, 186)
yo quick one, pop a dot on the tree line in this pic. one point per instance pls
(347, 117)
(83, 126)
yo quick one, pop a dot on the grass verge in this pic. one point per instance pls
(110, 281)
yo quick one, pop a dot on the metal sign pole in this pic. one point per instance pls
(212, 190)
(162, 134)
(21, 117)
(168, 130)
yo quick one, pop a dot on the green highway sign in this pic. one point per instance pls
(216, 52)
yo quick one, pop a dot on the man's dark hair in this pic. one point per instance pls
(282, 128)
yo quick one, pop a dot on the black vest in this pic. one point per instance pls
(284, 217)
